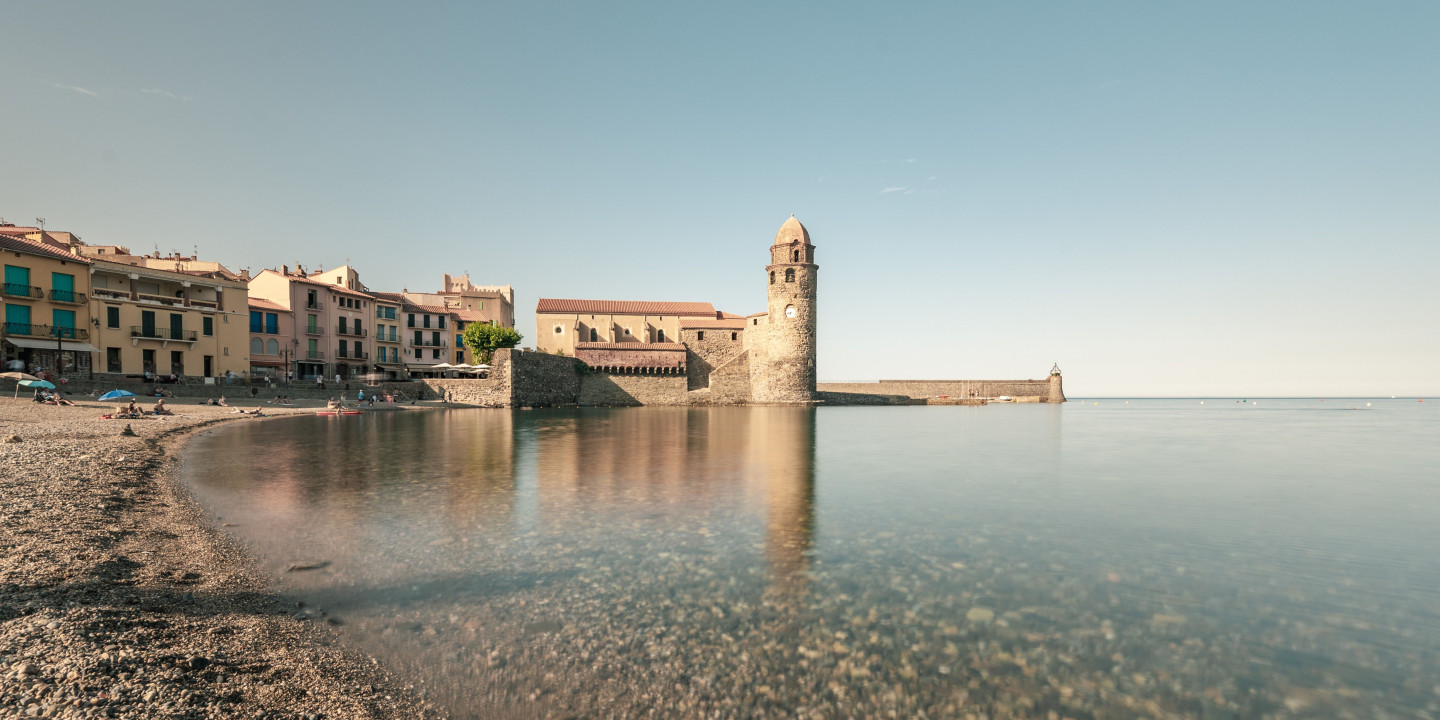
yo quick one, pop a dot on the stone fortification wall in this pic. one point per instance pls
(623, 389)
(729, 384)
(703, 356)
(1022, 390)
(541, 380)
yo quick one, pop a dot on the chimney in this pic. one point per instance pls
(284, 269)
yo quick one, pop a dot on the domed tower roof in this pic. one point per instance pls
(792, 231)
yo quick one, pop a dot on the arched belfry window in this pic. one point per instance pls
(790, 275)
(795, 256)
(772, 277)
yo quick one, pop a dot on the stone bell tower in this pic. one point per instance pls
(784, 371)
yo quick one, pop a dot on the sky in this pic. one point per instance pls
(1166, 199)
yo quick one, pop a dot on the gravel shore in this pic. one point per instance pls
(117, 599)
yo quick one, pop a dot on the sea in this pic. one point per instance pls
(1101, 559)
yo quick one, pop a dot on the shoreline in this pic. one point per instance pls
(119, 599)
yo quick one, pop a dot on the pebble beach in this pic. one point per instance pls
(119, 600)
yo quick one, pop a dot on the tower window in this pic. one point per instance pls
(772, 277)
(795, 256)
(734, 336)
(789, 274)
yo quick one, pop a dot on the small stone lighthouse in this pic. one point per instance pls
(782, 367)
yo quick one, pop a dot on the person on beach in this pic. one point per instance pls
(160, 408)
(222, 402)
(320, 381)
(131, 409)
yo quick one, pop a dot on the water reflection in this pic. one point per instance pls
(1086, 561)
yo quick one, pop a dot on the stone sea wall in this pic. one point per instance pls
(1048, 390)
(625, 389)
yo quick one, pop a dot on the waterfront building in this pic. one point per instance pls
(561, 324)
(46, 304)
(427, 337)
(389, 341)
(188, 324)
(494, 304)
(330, 321)
(272, 339)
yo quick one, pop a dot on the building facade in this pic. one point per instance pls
(46, 305)
(162, 322)
(562, 325)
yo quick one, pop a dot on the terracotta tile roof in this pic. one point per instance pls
(730, 323)
(632, 346)
(263, 304)
(332, 288)
(432, 309)
(470, 315)
(24, 245)
(722, 315)
(623, 307)
(755, 315)
(388, 297)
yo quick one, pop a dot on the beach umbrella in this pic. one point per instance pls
(116, 395)
(481, 366)
(18, 376)
(38, 383)
(442, 366)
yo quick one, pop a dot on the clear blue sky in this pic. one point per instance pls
(1165, 199)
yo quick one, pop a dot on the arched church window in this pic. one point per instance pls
(660, 335)
(795, 256)
(790, 275)
(594, 336)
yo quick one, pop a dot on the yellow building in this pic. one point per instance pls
(164, 322)
(560, 324)
(47, 316)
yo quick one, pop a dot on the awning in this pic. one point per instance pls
(267, 363)
(50, 344)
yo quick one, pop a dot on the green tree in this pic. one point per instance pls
(483, 339)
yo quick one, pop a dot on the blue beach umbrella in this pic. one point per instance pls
(117, 395)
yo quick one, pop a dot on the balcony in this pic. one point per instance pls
(68, 296)
(46, 331)
(29, 292)
(160, 299)
(353, 354)
(430, 343)
(351, 331)
(314, 355)
(314, 330)
(159, 333)
(205, 304)
(107, 294)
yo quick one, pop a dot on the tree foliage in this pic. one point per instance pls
(484, 339)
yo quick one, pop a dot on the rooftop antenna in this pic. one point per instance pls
(41, 222)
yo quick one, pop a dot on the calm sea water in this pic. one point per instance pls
(1146, 558)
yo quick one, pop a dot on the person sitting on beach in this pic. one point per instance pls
(332, 404)
(160, 408)
(131, 409)
(222, 402)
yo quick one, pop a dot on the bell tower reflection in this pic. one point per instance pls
(782, 448)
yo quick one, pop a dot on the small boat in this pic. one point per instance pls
(339, 412)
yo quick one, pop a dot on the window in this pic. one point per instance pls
(435, 354)
(459, 357)
(272, 347)
(358, 329)
(342, 325)
(660, 335)
(594, 336)
(207, 326)
(343, 346)
(62, 287)
(427, 321)
(256, 321)
(112, 318)
(311, 299)
(559, 330)
(772, 277)
(795, 256)
(435, 339)
(789, 274)
(272, 324)
(627, 332)
(177, 362)
(314, 324)
(313, 349)
(112, 360)
(177, 326)
(412, 320)
(734, 336)
(441, 319)
(700, 335)
(257, 346)
(63, 322)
